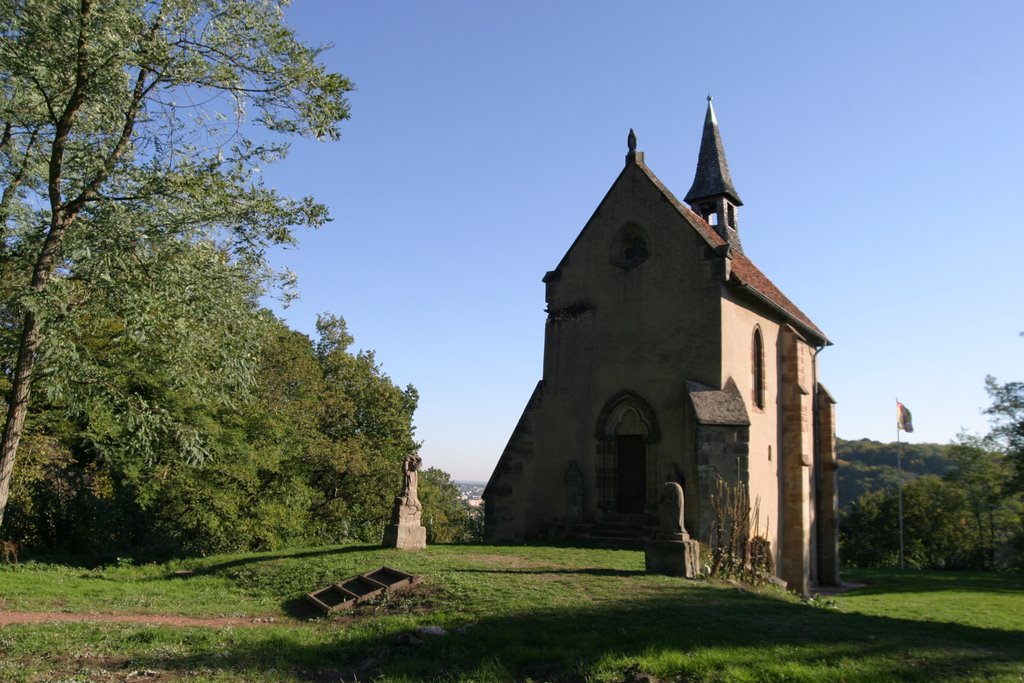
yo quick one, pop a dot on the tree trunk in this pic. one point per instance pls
(18, 406)
(21, 382)
(990, 555)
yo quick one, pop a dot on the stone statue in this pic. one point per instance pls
(574, 492)
(405, 530)
(672, 551)
(411, 467)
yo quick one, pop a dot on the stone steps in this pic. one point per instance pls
(614, 531)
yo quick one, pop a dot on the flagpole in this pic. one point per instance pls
(899, 484)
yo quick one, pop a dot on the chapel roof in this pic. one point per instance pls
(712, 177)
(743, 273)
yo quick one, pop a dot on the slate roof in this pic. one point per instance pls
(712, 177)
(743, 273)
(717, 407)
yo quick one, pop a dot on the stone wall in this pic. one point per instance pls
(505, 505)
(741, 316)
(827, 494)
(796, 458)
(722, 452)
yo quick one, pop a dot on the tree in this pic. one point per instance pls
(366, 421)
(445, 517)
(126, 146)
(983, 474)
(313, 455)
(933, 515)
(1007, 411)
(967, 519)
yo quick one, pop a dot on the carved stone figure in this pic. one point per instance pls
(405, 530)
(411, 467)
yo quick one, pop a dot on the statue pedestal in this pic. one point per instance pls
(405, 537)
(674, 558)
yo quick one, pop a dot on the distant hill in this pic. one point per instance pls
(866, 465)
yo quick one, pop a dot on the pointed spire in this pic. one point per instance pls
(712, 177)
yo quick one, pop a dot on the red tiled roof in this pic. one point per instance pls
(744, 272)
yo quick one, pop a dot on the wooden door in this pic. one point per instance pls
(632, 473)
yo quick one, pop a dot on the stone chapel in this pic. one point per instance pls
(670, 357)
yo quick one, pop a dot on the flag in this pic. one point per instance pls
(903, 419)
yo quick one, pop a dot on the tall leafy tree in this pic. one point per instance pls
(933, 517)
(312, 455)
(1007, 411)
(983, 474)
(366, 423)
(445, 517)
(131, 136)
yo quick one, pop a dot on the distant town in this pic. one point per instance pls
(471, 492)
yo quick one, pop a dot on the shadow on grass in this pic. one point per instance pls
(686, 633)
(285, 555)
(591, 571)
(301, 609)
(887, 581)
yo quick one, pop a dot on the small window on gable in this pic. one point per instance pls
(757, 367)
(629, 248)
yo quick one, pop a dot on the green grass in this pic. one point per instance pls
(512, 613)
(983, 600)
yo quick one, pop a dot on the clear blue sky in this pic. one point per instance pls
(877, 145)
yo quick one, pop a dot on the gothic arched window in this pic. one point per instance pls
(757, 367)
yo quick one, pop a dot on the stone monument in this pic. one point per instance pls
(672, 551)
(405, 530)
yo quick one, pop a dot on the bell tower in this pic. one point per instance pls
(712, 194)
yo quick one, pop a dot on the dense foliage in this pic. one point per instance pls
(133, 218)
(446, 518)
(312, 456)
(969, 517)
(169, 413)
(1007, 411)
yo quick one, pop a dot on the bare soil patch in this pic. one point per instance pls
(421, 599)
(122, 618)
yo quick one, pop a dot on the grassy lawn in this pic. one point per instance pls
(511, 613)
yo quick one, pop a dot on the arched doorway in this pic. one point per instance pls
(631, 464)
(626, 432)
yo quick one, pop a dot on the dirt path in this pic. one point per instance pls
(144, 619)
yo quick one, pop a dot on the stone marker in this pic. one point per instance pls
(672, 551)
(405, 530)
